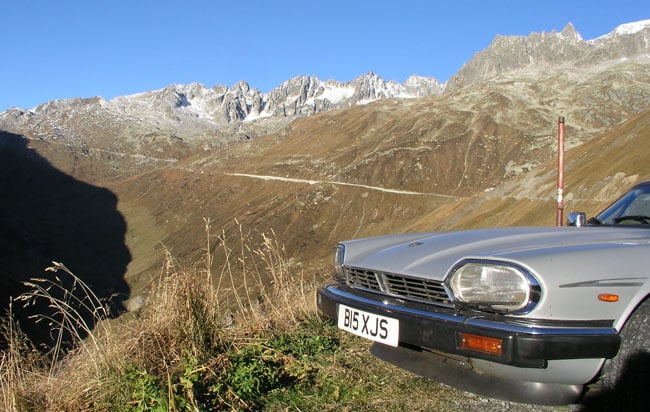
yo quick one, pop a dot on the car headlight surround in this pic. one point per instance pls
(497, 285)
(339, 257)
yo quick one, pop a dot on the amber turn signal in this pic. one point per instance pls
(608, 297)
(484, 344)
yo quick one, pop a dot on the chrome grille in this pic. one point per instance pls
(362, 279)
(418, 289)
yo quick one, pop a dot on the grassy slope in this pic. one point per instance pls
(167, 206)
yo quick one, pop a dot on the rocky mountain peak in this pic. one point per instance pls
(197, 108)
(569, 33)
(543, 51)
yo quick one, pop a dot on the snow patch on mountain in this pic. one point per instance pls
(627, 29)
(334, 92)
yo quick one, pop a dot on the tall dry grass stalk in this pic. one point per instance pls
(13, 368)
(267, 287)
(74, 311)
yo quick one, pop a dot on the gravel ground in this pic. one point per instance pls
(478, 403)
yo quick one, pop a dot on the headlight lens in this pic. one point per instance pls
(498, 285)
(338, 262)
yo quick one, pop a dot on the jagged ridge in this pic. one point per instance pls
(542, 51)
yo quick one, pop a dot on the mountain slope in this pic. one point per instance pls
(46, 216)
(595, 174)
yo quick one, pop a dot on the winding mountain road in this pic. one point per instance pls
(316, 182)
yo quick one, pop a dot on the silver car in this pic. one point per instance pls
(531, 314)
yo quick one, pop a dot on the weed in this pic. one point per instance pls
(145, 392)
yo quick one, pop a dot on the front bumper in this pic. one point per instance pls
(433, 329)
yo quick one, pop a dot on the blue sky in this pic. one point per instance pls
(68, 48)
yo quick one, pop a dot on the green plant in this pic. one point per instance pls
(143, 392)
(302, 344)
(188, 385)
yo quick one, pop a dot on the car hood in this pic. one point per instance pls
(431, 255)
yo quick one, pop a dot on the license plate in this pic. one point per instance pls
(369, 325)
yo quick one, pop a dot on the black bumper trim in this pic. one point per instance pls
(439, 329)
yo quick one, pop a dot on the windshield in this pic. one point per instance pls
(631, 209)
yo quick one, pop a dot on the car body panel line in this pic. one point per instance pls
(607, 282)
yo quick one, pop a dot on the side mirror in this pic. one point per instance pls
(577, 219)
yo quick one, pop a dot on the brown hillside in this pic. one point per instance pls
(389, 145)
(595, 174)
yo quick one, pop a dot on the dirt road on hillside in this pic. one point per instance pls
(326, 182)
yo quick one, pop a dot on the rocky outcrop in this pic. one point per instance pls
(542, 51)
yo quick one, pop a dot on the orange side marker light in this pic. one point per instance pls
(608, 297)
(483, 344)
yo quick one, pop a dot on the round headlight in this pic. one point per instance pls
(497, 285)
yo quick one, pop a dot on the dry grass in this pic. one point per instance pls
(189, 314)
(16, 363)
(74, 311)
